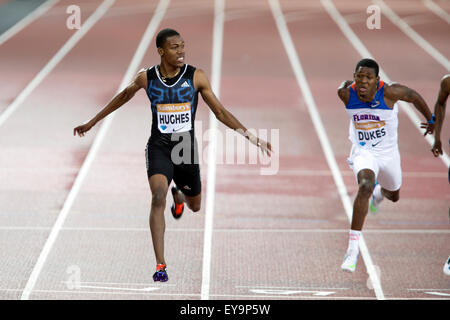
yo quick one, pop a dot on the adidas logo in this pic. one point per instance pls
(185, 85)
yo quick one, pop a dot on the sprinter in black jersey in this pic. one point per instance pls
(172, 88)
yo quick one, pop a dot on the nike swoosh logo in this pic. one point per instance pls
(373, 145)
(375, 105)
(176, 130)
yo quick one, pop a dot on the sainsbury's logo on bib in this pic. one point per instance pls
(174, 117)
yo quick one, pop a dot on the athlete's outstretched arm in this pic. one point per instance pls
(119, 100)
(439, 111)
(202, 84)
(396, 91)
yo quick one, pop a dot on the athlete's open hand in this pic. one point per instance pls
(429, 127)
(265, 147)
(437, 148)
(81, 130)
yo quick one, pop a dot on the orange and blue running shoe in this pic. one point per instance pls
(176, 208)
(161, 273)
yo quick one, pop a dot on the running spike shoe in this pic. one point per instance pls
(350, 259)
(161, 273)
(177, 209)
(374, 202)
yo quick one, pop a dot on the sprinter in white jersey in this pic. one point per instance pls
(374, 157)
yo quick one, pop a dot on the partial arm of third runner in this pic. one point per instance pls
(439, 110)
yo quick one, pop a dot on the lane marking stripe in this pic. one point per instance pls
(65, 49)
(219, 18)
(132, 69)
(39, 11)
(320, 130)
(412, 34)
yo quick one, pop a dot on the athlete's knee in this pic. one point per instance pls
(195, 207)
(394, 196)
(159, 198)
(194, 203)
(365, 187)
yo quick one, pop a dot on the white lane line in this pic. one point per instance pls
(286, 297)
(219, 18)
(436, 293)
(39, 11)
(99, 229)
(362, 50)
(288, 292)
(437, 10)
(128, 284)
(112, 292)
(148, 289)
(73, 40)
(320, 130)
(132, 69)
(294, 288)
(410, 32)
(428, 289)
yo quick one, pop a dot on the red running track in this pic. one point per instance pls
(284, 234)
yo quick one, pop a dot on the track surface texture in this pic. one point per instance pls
(74, 226)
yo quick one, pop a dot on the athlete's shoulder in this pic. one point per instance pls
(151, 73)
(200, 79)
(199, 71)
(141, 78)
(392, 88)
(190, 68)
(445, 82)
(344, 90)
(188, 71)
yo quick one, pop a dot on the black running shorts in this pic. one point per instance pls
(186, 176)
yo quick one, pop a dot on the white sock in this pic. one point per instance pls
(353, 241)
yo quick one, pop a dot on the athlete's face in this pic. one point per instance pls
(172, 51)
(366, 82)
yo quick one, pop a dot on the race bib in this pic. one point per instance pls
(174, 117)
(370, 133)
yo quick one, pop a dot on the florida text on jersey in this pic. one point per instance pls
(373, 125)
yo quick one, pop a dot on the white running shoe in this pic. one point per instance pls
(447, 267)
(349, 264)
(374, 202)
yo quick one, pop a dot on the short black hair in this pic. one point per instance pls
(369, 63)
(163, 35)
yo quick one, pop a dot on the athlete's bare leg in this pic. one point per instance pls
(394, 196)
(366, 181)
(158, 186)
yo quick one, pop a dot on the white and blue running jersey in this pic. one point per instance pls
(373, 125)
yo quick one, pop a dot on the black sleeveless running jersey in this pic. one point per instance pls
(173, 103)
